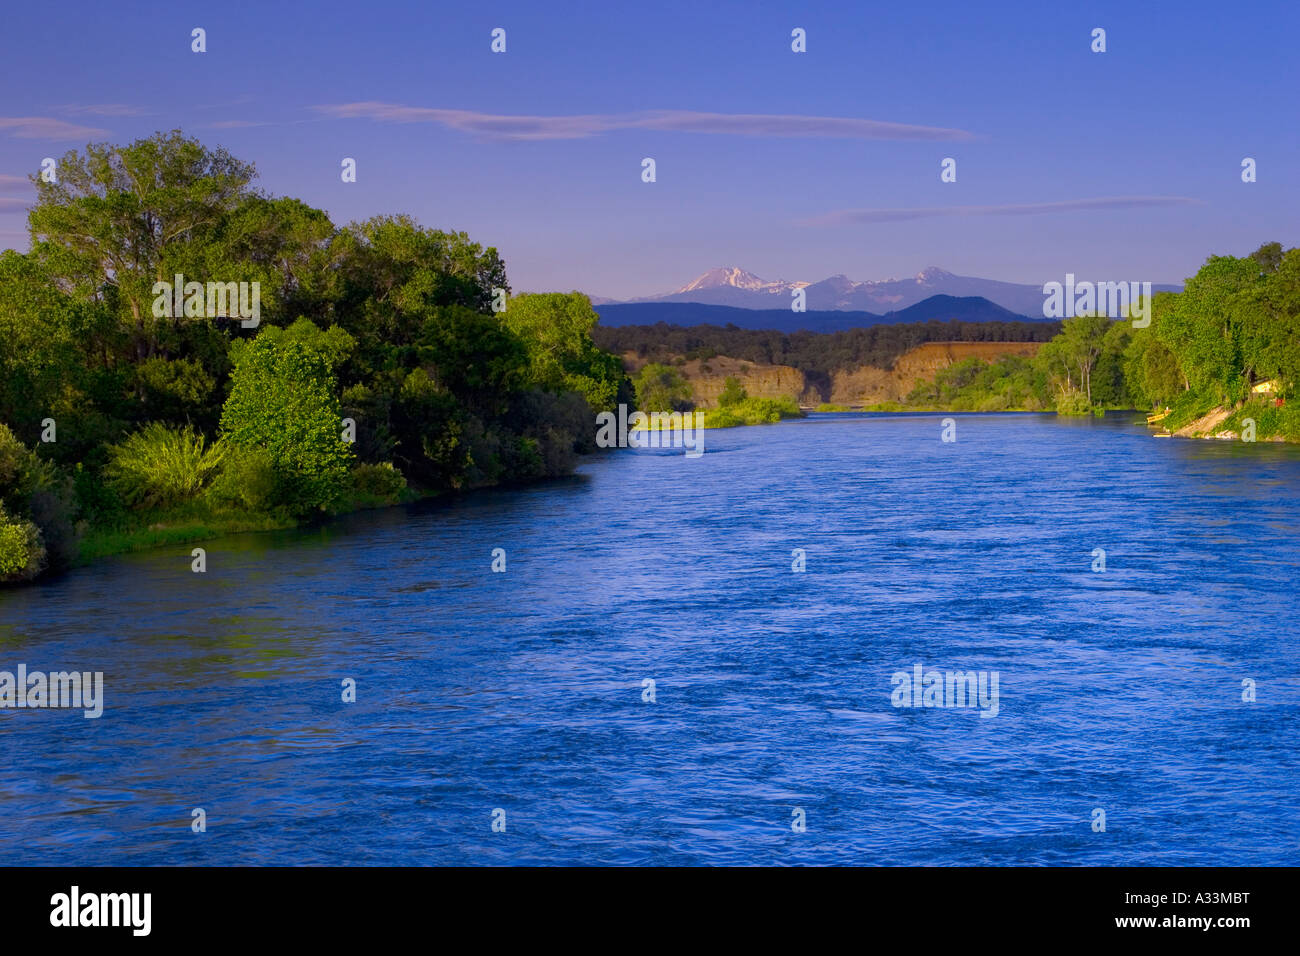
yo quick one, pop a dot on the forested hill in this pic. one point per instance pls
(813, 353)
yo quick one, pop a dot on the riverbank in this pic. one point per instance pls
(197, 521)
(1261, 418)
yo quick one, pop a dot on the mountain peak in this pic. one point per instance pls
(932, 274)
(724, 276)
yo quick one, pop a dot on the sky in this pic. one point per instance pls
(1115, 166)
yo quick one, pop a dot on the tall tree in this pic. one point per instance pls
(117, 219)
(556, 329)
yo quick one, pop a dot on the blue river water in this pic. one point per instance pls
(523, 691)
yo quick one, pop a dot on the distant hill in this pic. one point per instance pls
(939, 307)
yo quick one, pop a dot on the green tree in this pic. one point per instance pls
(53, 364)
(660, 388)
(1082, 341)
(1277, 300)
(556, 329)
(119, 219)
(1269, 257)
(1213, 328)
(283, 401)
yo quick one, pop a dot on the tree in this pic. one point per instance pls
(1278, 300)
(392, 273)
(1212, 327)
(660, 388)
(283, 401)
(1082, 339)
(53, 361)
(120, 217)
(1269, 257)
(556, 329)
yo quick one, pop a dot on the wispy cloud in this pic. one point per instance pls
(14, 184)
(233, 124)
(103, 109)
(499, 126)
(843, 216)
(12, 204)
(43, 127)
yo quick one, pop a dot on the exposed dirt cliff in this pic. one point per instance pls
(864, 385)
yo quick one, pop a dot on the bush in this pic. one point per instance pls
(160, 466)
(733, 393)
(22, 554)
(15, 462)
(1270, 421)
(660, 388)
(722, 418)
(752, 411)
(1072, 402)
(378, 481)
(247, 479)
(39, 493)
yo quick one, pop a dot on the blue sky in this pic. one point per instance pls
(1040, 127)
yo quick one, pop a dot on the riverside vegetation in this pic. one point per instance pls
(1228, 343)
(379, 372)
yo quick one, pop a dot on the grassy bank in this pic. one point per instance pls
(752, 411)
(197, 521)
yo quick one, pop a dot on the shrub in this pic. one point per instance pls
(14, 463)
(22, 554)
(1072, 402)
(247, 479)
(161, 466)
(752, 411)
(733, 393)
(722, 418)
(39, 493)
(660, 388)
(1187, 407)
(378, 481)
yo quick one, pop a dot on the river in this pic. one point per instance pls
(525, 691)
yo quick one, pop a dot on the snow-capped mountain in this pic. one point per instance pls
(735, 278)
(741, 289)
